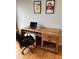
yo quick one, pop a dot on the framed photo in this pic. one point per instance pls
(50, 4)
(37, 7)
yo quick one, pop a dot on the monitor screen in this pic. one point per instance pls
(33, 25)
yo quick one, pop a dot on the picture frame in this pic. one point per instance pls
(37, 7)
(50, 4)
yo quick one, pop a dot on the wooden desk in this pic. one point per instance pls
(49, 37)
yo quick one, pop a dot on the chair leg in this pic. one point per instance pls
(25, 48)
(31, 50)
(23, 51)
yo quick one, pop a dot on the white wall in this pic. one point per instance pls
(25, 14)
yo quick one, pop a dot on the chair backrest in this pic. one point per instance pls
(28, 40)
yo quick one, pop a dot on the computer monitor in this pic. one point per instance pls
(33, 25)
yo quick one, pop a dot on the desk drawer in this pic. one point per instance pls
(49, 37)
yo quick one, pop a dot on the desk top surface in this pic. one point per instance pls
(45, 30)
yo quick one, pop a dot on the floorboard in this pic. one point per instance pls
(37, 54)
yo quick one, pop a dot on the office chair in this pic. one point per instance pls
(25, 41)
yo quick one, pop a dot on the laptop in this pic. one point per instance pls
(33, 25)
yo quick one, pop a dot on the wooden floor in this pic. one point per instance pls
(38, 54)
